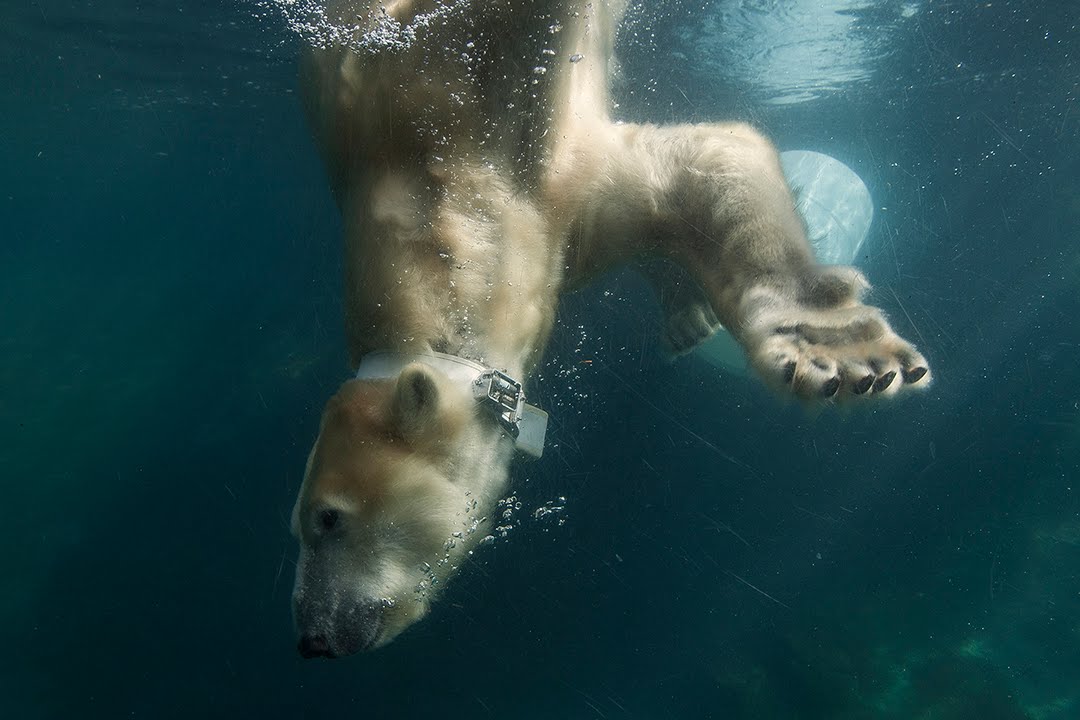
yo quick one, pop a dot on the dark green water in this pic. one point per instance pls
(169, 329)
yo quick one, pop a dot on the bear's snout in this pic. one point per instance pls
(339, 632)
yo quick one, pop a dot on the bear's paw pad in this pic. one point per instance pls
(830, 345)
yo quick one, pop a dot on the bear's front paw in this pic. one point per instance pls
(689, 326)
(821, 342)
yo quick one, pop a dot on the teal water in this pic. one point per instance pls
(169, 330)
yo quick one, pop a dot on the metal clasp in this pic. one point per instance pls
(523, 422)
(505, 394)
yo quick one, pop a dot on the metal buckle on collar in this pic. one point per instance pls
(526, 424)
(504, 392)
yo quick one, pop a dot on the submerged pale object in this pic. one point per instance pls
(837, 209)
(834, 202)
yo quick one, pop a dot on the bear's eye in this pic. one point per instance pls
(328, 519)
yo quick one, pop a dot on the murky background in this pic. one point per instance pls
(689, 547)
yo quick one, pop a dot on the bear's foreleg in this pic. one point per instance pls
(714, 199)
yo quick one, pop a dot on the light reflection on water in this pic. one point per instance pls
(793, 51)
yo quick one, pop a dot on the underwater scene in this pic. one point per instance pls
(692, 543)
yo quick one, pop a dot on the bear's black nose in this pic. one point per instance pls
(314, 646)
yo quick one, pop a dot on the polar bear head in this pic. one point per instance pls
(396, 492)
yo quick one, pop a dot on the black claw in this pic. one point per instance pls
(861, 386)
(914, 375)
(884, 381)
(831, 387)
(789, 371)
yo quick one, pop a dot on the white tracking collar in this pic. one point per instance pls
(492, 388)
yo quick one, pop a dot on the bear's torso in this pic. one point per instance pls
(449, 144)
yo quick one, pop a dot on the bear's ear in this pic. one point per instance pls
(426, 407)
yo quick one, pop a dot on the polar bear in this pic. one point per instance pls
(479, 173)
